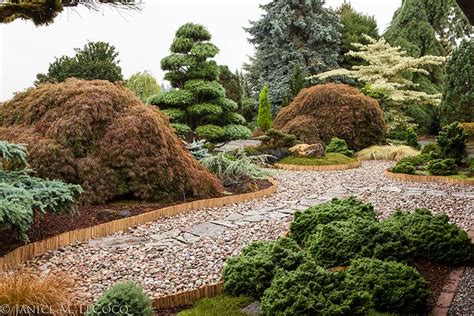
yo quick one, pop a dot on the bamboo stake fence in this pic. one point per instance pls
(419, 178)
(288, 167)
(29, 251)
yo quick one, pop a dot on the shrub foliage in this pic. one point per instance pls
(127, 298)
(306, 222)
(21, 194)
(252, 272)
(393, 286)
(322, 112)
(101, 136)
(433, 236)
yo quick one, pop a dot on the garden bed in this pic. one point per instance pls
(331, 161)
(50, 224)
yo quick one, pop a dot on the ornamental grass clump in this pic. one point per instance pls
(237, 167)
(251, 273)
(305, 223)
(388, 152)
(101, 136)
(26, 290)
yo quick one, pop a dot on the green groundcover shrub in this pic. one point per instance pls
(125, 299)
(306, 222)
(393, 286)
(404, 167)
(336, 243)
(350, 264)
(442, 167)
(313, 290)
(252, 272)
(337, 145)
(433, 237)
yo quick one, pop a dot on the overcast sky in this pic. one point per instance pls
(142, 38)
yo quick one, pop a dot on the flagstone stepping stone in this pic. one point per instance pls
(206, 230)
(188, 238)
(116, 242)
(255, 218)
(391, 189)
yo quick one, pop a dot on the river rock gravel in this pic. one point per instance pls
(189, 250)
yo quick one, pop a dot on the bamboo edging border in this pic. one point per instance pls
(188, 298)
(346, 166)
(424, 179)
(24, 253)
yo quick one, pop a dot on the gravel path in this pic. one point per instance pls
(463, 303)
(187, 251)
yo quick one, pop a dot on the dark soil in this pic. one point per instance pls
(51, 224)
(436, 275)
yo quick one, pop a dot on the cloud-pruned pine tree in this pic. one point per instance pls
(291, 33)
(458, 95)
(198, 101)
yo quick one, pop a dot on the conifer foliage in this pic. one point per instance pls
(458, 94)
(354, 26)
(21, 194)
(198, 102)
(294, 32)
(264, 118)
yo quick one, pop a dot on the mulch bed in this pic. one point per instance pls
(51, 224)
(436, 275)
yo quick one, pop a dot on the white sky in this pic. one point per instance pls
(141, 38)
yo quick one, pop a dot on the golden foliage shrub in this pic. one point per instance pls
(101, 136)
(322, 112)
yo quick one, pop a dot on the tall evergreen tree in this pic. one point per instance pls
(412, 30)
(264, 118)
(294, 32)
(198, 102)
(458, 95)
(231, 83)
(354, 26)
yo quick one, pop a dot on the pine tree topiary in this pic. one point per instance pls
(458, 94)
(264, 117)
(21, 195)
(354, 25)
(198, 99)
(293, 33)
